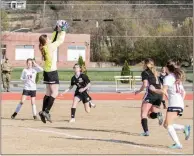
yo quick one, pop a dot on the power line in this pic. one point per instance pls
(117, 4)
(125, 9)
(146, 36)
(112, 19)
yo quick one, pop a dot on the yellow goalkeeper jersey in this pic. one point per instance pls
(50, 49)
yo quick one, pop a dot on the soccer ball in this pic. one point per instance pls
(62, 24)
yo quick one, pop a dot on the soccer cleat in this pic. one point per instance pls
(47, 116)
(35, 117)
(160, 118)
(42, 117)
(92, 105)
(176, 146)
(187, 132)
(72, 120)
(145, 134)
(14, 115)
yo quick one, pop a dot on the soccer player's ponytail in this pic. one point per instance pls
(152, 68)
(42, 42)
(173, 68)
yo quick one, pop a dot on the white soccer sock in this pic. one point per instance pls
(173, 134)
(178, 127)
(18, 107)
(34, 110)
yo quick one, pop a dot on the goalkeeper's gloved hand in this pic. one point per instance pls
(62, 24)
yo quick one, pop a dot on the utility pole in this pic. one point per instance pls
(98, 44)
(193, 43)
(44, 6)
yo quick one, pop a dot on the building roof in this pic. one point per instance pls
(34, 37)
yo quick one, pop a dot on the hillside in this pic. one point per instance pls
(116, 29)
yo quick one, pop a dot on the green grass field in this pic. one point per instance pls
(189, 77)
(94, 75)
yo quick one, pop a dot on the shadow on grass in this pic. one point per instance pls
(98, 130)
(119, 142)
(21, 119)
(27, 119)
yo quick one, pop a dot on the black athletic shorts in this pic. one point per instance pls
(31, 93)
(179, 110)
(84, 97)
(154, 99)
(51, 77)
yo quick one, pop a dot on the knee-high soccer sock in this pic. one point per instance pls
(144, 123)
(18, 107)
(49, 104)
(73, 110)
(153, 115)
(179, 127)
(173, 134)
(45, 100)
(34, 110)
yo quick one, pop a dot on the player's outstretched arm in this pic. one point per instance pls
(159, 91)
(61, 27)
(66, 90)
(85, 88)
(37, 67)
(144, 85)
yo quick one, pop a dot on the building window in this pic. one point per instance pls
(74, 52)
(3, 52)
(23, 52)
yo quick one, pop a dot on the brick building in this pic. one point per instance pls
(16, 4)
(20, 46)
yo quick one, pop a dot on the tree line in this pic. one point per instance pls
(127, 32)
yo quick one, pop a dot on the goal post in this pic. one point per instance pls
(125, 87)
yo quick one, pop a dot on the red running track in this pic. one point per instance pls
(95, 96)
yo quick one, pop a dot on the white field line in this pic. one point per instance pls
(78, 137)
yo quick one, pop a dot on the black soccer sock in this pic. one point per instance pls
(49, 104)
(153, 115)
(45, 101)
(73, 110)
(144, 123)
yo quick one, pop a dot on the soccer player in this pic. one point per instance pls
(174, 90)
(83, 84)
(29, 78)
(163, 74)
(151, 101)
(48, 49)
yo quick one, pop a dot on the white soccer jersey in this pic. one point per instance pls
(175, 91)
(29, 77)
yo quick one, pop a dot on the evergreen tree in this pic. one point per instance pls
(82, 65)
(125, 71)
